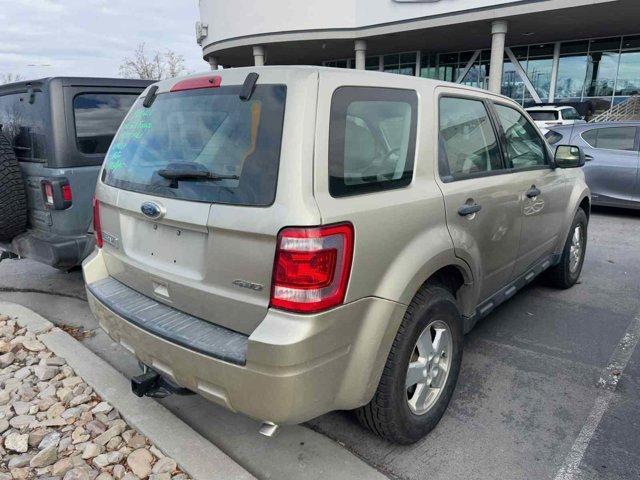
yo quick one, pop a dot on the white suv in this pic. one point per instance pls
(551, 116)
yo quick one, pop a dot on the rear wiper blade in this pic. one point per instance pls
(195, 175)
(176, 174)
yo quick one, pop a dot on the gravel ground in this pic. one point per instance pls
(53, 425)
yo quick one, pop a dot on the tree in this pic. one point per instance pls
(9, 78)
(152, 66)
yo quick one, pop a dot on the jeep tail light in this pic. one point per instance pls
(47, 191)
(97, 226)
(56, 193)
(312, 267)
(67, 194)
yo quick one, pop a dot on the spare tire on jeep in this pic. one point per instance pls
(13, 198)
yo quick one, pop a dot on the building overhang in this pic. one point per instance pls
(530, 22)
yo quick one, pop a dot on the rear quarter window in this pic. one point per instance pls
(97, 118)
(553, 137)
(372, 140)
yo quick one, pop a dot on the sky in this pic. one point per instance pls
(42, 38)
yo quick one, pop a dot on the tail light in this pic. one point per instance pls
(97, 226)
(312, 267)
(57, 193)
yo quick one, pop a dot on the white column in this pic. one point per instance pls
(499, 34)
(213, 62)
(361, 54)
(554, 72)
(258, 55)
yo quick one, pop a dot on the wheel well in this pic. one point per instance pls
(450, 276)
(585, 205)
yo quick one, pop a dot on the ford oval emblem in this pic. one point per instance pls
(152, 210)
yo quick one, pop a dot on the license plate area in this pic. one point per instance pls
(175, 250)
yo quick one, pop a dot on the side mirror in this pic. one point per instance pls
(569, 156)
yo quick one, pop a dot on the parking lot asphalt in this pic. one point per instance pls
(549, 387)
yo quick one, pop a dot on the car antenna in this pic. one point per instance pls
(249, 86)
(151, 96)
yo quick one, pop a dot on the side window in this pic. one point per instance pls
(97, 118)
(612, 138)
(571, 114)
(372, 139)
(468, 143)
(525, 148)
(591, 137)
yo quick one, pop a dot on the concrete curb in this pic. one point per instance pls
(199, 458)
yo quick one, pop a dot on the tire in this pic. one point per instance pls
(389, 414)
(13, 198)
(565, 274)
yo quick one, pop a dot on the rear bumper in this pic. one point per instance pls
(56, 250)
(296, 367)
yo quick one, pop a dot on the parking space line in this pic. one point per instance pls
(608, 382)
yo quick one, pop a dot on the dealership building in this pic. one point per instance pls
(534, 51)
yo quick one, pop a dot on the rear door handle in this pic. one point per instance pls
(534, 192)
(466, 210)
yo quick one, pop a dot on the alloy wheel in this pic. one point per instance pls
(429, 367)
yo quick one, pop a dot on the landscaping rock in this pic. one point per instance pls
(45, 458)
(139, 461)
(164, 465)
(17, 442)
(53, 426)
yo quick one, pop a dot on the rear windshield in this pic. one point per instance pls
(97, 118)
(543, 115)
(237, 143)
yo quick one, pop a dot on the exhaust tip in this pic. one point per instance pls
(269, 429)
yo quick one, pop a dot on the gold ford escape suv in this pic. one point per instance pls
(287, 241)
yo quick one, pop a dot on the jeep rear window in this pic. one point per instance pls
(208, 129)
(26, 124)
(97, 118)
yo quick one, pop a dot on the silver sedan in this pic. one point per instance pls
(613, 159)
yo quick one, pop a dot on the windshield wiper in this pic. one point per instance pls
(177, 174)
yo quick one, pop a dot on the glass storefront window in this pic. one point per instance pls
(372, 63)
(574, 47)
(472, 78)
(545, 50)
(601, 73)
(604, 44)
(599, 105)
(402, 64)
(539, 72)
(428, 65)
(512, 84)
(629, 74)
(572, 72)
(631, 42)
